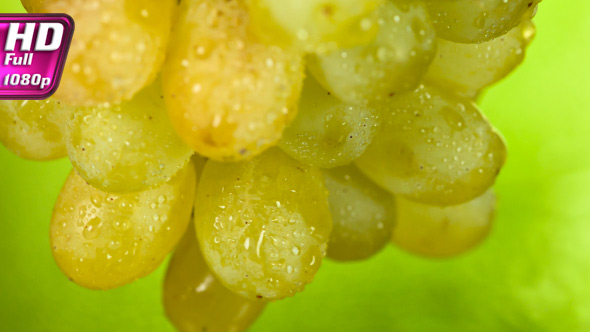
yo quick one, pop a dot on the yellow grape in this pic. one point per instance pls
(263, 224)
(34, 129)
(363, 214)
(126, 147)
(394, 62)
(468, 68)
(228, 95)
(475, 21)
(435, 231)
(196, 301)
(434, 147)
(327, 132)
(102, 240)
(314, 26)
(117, 49)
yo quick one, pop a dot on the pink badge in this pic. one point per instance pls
(33, 50)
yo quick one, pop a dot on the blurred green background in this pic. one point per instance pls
(532, 274)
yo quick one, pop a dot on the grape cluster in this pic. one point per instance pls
(259, 136)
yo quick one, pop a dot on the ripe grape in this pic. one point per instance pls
(34, 129)
(435, 231)
(314, 26)
(102, 240)
(394, 62)
(434, 147)
(196, 301)
(363, 214)
(263, 224)
(327, 132)
(475, 21)
(228, 95)
(117, 49)
(468, 68)
(126, 147)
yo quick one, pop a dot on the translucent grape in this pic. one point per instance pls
(195, 301)
(363, 214)
(394, 62)
(468, 68)
(126, 147)
(327, 132)
(263, 224)
(117, 49)
(228, 95)
(34, 129)
(314, 26)
(475, 21)
(102, 240)
(434, 147)
(434, 231)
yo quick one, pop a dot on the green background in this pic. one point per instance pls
(532, 274)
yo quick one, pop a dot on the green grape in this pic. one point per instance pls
(314, 26)
(468, 68)
(434, 147)
(228, 95)
(196, 301)
(34, 129)
(475, 21)
(117, 49)
(327, 132)
(126, 147)
(394, 62)
(435, 231)
(263, 224)
(363, 214)
(103, 241)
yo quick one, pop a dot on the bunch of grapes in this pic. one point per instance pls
(256, 137)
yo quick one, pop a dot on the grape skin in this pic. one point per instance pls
(468, 68)
(228, 96)
(195, 301)
(327, 132)
(103, 241)
(434, 147)
(394, 62)
(476, 21)
(314, 26)
(126, 147)
(439, 232)
(34, 129)
(363, 214)
(263, 224)
(105, 65)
